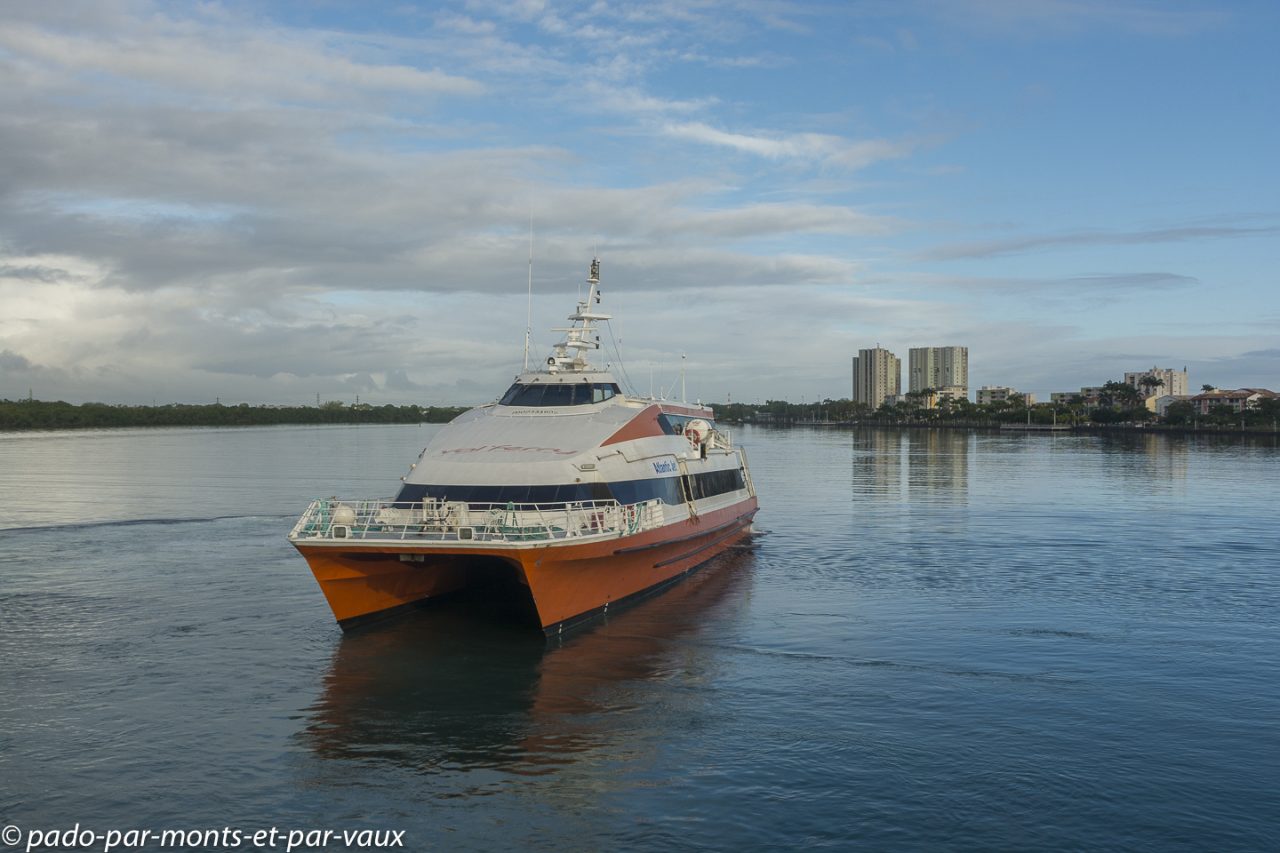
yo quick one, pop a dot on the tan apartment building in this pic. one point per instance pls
(944, 369)
(877, 375)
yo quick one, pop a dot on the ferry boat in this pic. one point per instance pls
(566, 490)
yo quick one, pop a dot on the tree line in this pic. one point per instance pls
(1116, 403)
(41, 414)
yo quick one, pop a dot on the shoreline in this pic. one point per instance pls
(1020, 429)
(38, 415)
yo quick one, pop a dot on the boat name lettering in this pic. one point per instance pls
(665, 467)
(508, 448)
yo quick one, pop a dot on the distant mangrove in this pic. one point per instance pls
(40, 414)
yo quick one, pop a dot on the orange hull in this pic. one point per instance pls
(568, 583)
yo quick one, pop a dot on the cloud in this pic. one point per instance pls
(13, 361)
(167, 197)
(778, 219)
(201, 201)
(466, 25)
(398, 380)
(1019, 245)
(1256, 368)
(259, 66)
(33, 272)
(632, 101)
(1133, 281)
(817, 148)
(1067, 287)
(185, 345)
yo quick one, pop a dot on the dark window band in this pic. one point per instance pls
(714, 483)
(665, 489)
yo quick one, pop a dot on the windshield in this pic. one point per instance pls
(567, 394)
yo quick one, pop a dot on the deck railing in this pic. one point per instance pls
(460, 521)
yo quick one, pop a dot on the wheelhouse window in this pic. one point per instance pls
(560, 394)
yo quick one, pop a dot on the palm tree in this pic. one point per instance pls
(1116, 392)
(1076, 404)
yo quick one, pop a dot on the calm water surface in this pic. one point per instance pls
(941, 641)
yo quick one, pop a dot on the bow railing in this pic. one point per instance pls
(433, 520)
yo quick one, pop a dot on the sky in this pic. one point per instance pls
(274, 202)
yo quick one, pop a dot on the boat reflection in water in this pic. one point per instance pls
(460, 688)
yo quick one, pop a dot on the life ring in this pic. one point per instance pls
(691, 433)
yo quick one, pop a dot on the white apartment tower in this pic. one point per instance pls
(944, 369)
(1172, 381)
(877, 374)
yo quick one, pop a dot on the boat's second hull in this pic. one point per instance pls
(569, 586)
(567, 583)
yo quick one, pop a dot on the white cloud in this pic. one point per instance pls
(630, 101)
(245, 67)
(819, 148)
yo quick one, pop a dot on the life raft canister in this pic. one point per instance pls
(697, 431)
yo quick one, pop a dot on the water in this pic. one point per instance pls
(943, 641)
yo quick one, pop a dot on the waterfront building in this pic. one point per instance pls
(1237, 400)
(877, 375)
(1171, 381)
(989, 394)
(931, 397)
(938, 368)
(1091, 395)
(1163, 402)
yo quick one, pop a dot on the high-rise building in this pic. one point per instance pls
(1171, 381)
(877, 374)
(939, 368)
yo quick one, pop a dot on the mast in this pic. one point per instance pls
(580, 336)
(528, 320)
